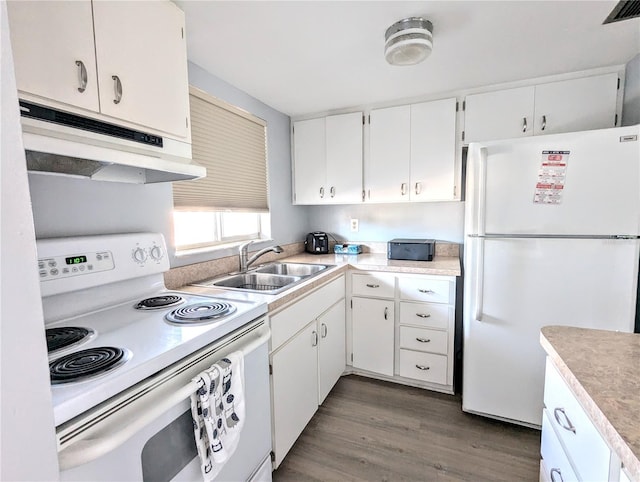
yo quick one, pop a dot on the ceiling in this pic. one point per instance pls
(304, 57)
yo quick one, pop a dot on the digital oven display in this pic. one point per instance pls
(76, 260)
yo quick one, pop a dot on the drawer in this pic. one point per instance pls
(425, 289)
(584, 445)
(376, 285)
(556, 465)
(292, 319)
(421, 339)
(423, 366)
(429, 315)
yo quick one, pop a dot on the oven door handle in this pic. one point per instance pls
(133, 417)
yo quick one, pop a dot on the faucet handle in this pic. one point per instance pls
(245, 246)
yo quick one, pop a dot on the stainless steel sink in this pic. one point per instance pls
(260, 282)
(292, 269)
(269, 279)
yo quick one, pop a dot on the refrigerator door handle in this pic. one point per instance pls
(553, 236)
(480, 280)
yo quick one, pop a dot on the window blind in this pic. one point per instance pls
(231, 144)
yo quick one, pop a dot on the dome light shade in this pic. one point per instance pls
(408, 41)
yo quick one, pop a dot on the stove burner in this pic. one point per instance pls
(200, 312)
(59, 338)
(159, 302)
(85, 364)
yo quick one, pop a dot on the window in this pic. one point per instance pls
(230, 203)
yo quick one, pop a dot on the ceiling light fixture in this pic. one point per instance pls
(408, 41)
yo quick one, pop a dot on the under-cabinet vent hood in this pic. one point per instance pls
(58, 142)
(624, 10)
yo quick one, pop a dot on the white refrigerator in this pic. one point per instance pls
(551, 238)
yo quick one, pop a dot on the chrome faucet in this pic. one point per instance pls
(245, 261)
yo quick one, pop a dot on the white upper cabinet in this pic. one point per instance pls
(387, 169)
(328, 159)
(576, 105)
(142, 63)
(124, 60)
(309, 161)
(433, 150)
(566, 106)
(54, 52)
(412, 153)
(503, 114)
(344, 158)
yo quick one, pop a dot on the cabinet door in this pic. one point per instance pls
(373, 328)
(387, 169)
(433, 150)
(576, 105)
(309, 161)
(294, 386)
(344, 158)
(331, 352)
(143, 45)
(499, 115)
(53, 51)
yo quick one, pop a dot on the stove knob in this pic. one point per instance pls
(139, 255)
(156, 253)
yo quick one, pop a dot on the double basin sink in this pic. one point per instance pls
(271, 278)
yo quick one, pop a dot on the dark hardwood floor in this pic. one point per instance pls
(378, 431)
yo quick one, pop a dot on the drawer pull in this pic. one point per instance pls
(371, 285)
(422, 367)
(323, 330)
(117, 89)
(423, 340)
(82, 76)
(423, 315)
(568, 425)
(552, 474)
(421, 290)
(314, 338)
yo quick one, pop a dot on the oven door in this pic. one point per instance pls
(147, 432)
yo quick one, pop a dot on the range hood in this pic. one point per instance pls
(62, 143)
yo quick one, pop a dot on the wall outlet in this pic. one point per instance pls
(354, 225)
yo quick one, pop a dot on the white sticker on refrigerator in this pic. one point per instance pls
(551, 177)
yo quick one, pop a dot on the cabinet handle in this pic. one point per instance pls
(524, 124)
(418, 187)
(423, 340)
(423, 315)
(323, 330)
(369, 285)
(552, 472)
(422, 367)
(321, 193)
(544, 122)
(332, 191)
(82, 76)
(568, 426)
(386, 313)
(403, 188)
(117, 88)
(422, 290)
(314, 338)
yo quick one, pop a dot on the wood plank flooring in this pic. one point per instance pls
(371, 430)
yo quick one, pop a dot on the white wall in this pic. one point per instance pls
(631, 105)
(27, 432)
(382, 222)
(64, 206)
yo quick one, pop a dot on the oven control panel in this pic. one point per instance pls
(82, 262)
(75, 264)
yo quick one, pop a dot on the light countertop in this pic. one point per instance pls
(441, 265)
(603, 370)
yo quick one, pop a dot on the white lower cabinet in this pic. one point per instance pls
(307, 358)
(402, 327)
(571, 446)
(372, 328)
